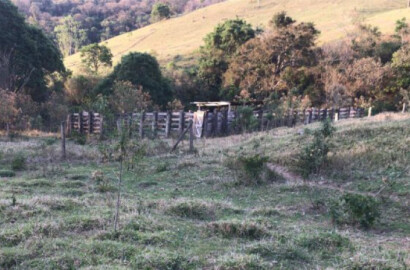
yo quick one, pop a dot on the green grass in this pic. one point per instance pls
(192, 213)
(181, 36)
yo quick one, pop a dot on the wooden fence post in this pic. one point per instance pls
(310, 116)
(101, 126)
(404, 104)
(191, 136)
(80, 122)
(62, 130)
(370, 112)
(215, 123)
(205, 131)
(68, 126)
(141, 127)
(336, 115)
(261, 119)
(224, 124)
(168, 124)
(181, 121)
(155, 123)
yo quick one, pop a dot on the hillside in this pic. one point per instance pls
(191, 211)
(183, 35)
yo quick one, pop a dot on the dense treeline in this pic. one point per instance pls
(79, 22)
(281, 66)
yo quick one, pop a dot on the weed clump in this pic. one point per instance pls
(192, 209)
(251, 169)
(231, 229)
(241, 261)
(7, 173)
(102, 183)
(355, 209)
(18, 163)
(325, 243)
(314, 155)
(161, 260)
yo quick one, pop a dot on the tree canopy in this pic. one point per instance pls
(26, 54)
(142, 70)
(220, 46)
(160, 11)
(94, 56)
(257, 68)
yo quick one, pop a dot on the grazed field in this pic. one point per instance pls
(189, 211)
(182, 35)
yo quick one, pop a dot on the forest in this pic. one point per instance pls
(75, 23)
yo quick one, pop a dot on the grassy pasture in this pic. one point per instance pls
(185, 211)
(182, 35)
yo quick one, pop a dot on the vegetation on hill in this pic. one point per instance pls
(85, 22)
(181, 36)
(193, 211)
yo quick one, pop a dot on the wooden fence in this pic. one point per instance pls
(84, 123)
(217, 123)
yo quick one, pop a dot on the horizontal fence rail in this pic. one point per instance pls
(213, 123)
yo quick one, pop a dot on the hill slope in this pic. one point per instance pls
(185, 211)
(183, 35)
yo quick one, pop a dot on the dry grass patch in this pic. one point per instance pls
(237, 229)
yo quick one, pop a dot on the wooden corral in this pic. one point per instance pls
(84, 123)
(220, 122)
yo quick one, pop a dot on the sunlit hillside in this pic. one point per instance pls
(183, 35)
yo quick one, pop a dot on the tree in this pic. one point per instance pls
(259, 63)
(128, 98)
(220, 46)
(94, 56)
(140, 69)
(366, 81)
(365, 41)
(160, 11)
(26, 55)
(402, 30)
(401, 68)
(70, 36)
(280, 20)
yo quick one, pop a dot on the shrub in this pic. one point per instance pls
(314, 155)
(18, 163)
(78, 138)
(251, 169)
(245, 120)
(102, 183)
(7, 173)
(355, 209)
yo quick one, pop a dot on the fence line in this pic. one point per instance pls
(218, 123)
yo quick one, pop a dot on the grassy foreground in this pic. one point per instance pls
(182, 35)
(185, 211)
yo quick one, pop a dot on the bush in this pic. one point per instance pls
(78, 138)
(314, 155)
(18, 163)
(251, 169)
(355, 209)
(7, 173)
(245, 120)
